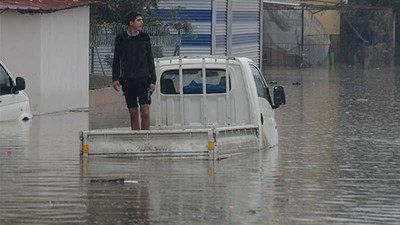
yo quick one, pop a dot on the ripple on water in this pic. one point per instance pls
(337, 163)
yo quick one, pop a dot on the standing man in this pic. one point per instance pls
(133, 69)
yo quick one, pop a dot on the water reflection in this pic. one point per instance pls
(39, 170)
(180, 191)
(338, 163)
(340, 147)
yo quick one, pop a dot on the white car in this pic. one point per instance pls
(14, 102)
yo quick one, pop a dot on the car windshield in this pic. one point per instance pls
(5, 82)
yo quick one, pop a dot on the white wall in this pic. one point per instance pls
(20, 51)
(65, 60)
(0, 33)
(51, 52)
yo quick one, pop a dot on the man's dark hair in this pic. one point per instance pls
(131, 16)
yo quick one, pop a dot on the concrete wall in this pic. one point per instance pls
(0, 33)
(330, 19)
(65, 60)
(51, 52)
(21, 51)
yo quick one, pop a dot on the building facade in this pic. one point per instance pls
(47, 44)
(222, 27)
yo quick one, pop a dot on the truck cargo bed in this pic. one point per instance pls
(201, 143)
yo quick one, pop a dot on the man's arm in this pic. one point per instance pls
(116, 68)
(150, 60)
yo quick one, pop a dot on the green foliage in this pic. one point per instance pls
(115, 11)
(377, 19)
(392, 4)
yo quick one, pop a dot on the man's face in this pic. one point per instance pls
(137, 24)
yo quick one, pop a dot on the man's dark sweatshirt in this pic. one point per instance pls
(133, 58)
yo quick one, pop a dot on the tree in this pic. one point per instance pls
(114, 11)
(365, 16)
(180, 24)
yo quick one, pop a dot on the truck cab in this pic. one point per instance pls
(184, 102)
(14, 102)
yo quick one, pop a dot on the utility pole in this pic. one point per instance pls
(302, 30)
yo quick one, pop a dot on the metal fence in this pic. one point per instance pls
(368, 44)
(102, 39)
(293, 35)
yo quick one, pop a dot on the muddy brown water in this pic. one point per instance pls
(338, 162)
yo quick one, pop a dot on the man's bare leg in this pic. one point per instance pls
(145, 116)
(134, 115)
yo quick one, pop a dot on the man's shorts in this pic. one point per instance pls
(135, 89)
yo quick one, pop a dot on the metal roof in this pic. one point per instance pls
(42, 6)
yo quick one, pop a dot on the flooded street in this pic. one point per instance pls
(338, 162)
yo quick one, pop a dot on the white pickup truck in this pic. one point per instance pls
(205, 107)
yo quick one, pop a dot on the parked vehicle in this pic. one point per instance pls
(14, 102)
(203, 107)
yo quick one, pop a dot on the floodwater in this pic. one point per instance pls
(338, 162)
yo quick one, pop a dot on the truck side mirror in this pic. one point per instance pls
(279, 96)
(20, 84)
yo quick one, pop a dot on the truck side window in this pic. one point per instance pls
(262, 88)
(5, 82)
(193, 81)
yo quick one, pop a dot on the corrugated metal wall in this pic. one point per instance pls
(222, 16)
(237, 31)
(246, 35)
(283, 1)
(200, 15)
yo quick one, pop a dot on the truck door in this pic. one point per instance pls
(269, 129)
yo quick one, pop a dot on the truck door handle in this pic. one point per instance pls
(262, 119)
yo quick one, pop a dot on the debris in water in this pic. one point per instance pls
(114, 180)
(131, 181)
(297, 83)
(103, 180)
(348, 112)
(252, 211)
(359, 99)
(273, 82)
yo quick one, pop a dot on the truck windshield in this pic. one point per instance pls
(262, 88)
(193, 81)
